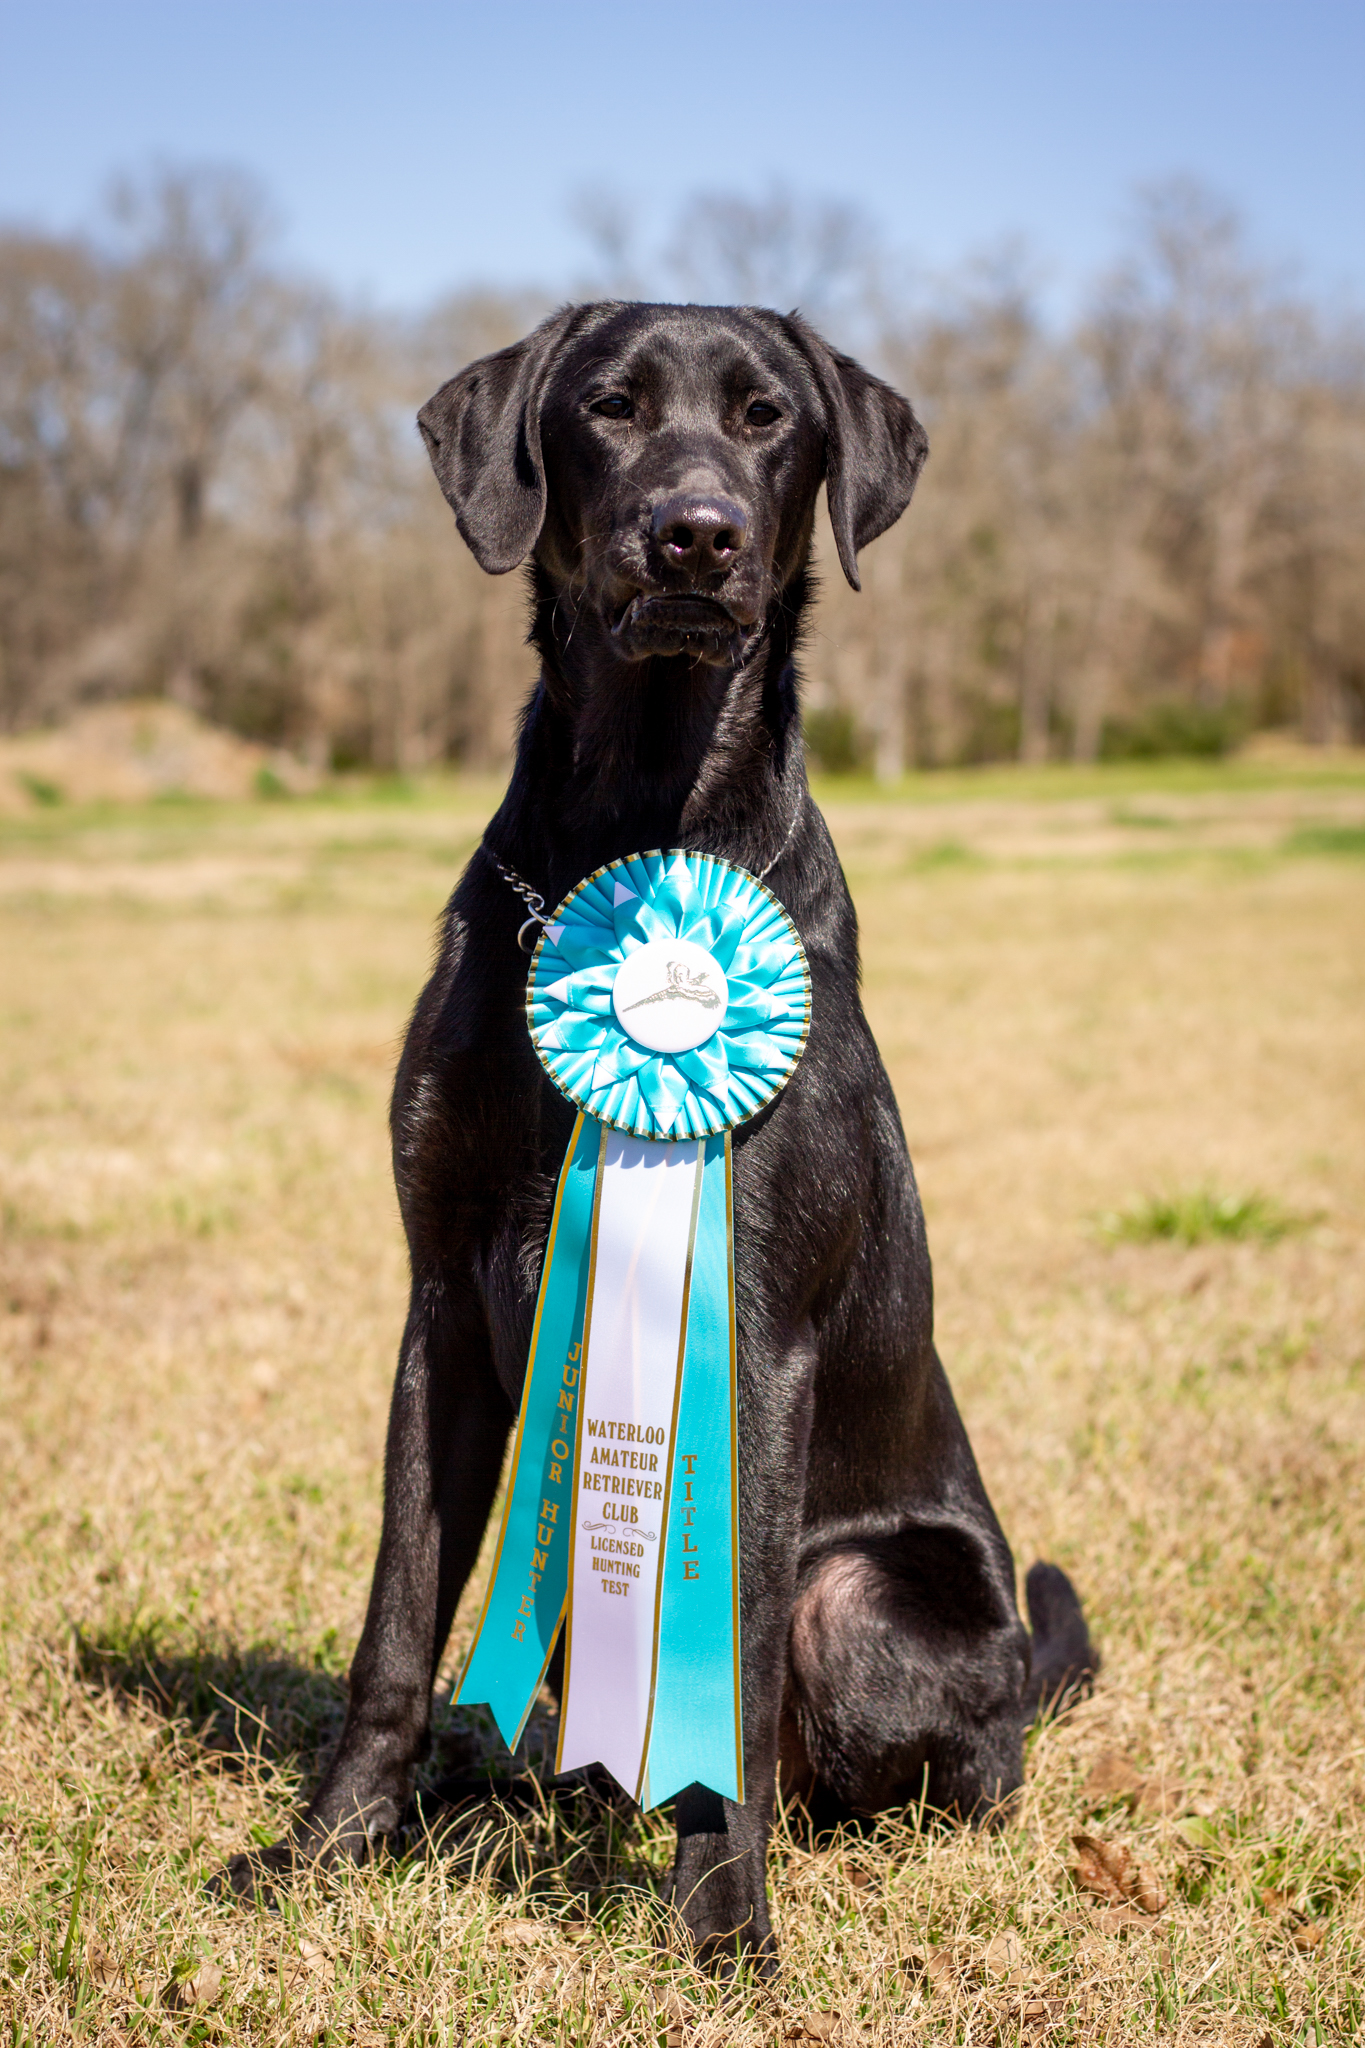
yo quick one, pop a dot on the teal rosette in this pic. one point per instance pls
(669, 995)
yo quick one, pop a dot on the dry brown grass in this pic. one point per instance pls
(203, 1287)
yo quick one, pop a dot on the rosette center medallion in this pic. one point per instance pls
(670, 996)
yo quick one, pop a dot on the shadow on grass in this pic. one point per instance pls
(574, 1841)
(574, 1845)
(237, 1704)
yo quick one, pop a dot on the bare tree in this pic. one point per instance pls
(1146, 530)
(779, 250)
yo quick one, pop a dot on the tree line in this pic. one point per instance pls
(1141, 529)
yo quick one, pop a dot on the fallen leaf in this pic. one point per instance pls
(1307, 1936)
(1201, 1834)
(1108, 1872)
(1101, 1868)
(856, 1877)
(935, 1967)
(201, 1987)
(815, 2026)
(315, 1960)
(1146, 1890)
(1274, 1904)
(673, 2035)
(102, 1968)
(1005, 1956)
(1034, 2016)
(1113, 1776)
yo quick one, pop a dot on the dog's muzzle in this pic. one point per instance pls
(702, 627)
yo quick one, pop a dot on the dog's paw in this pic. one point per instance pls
(259, 1874)
(729, 1939)
(725, 1960)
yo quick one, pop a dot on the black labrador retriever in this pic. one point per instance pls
(659, 467)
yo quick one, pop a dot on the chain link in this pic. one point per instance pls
(763, 873)
(535, 902)
(532, 898)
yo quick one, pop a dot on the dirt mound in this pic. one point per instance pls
(127, 753)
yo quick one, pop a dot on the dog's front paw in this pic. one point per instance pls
(727, 1953)
(262, 1874)
(259, 1874)
(717, 1891)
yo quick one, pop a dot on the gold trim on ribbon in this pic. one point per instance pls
(516, 1443)
(736, 1659)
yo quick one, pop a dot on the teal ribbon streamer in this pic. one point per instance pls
(526, 1592)
(695, 1733)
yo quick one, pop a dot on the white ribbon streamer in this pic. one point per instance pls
(633, 1348)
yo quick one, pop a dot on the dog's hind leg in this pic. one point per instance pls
(448, 1424)
(718, 1886)
(908, 1667)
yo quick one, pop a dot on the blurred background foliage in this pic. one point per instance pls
(1140, 533)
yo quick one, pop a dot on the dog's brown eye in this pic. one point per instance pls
(614, 408)
(761, 414)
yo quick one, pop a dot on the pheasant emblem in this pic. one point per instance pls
(681, 986)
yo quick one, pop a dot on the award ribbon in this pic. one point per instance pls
(669, 999)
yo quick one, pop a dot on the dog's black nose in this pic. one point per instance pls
(699, 533)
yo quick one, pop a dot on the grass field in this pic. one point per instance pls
(1125, 1017)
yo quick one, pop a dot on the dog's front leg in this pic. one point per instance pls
(448, 1424)
(718, 1885)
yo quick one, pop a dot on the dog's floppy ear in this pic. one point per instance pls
(874, 447)
(482, 431)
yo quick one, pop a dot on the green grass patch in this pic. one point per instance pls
(1347, 839)
(1114, 781)
(945, 853)
(1147, 821)
(1174, 729)
(48, 794)
(1199, 1216)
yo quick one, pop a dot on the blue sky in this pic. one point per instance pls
(412, 146)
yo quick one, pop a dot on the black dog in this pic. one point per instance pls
(660, 466)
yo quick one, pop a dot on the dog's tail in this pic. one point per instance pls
(1064, 1658)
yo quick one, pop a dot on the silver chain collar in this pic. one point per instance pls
(532, 898)
(535, 902)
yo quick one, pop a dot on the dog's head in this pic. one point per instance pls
(662, 463)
